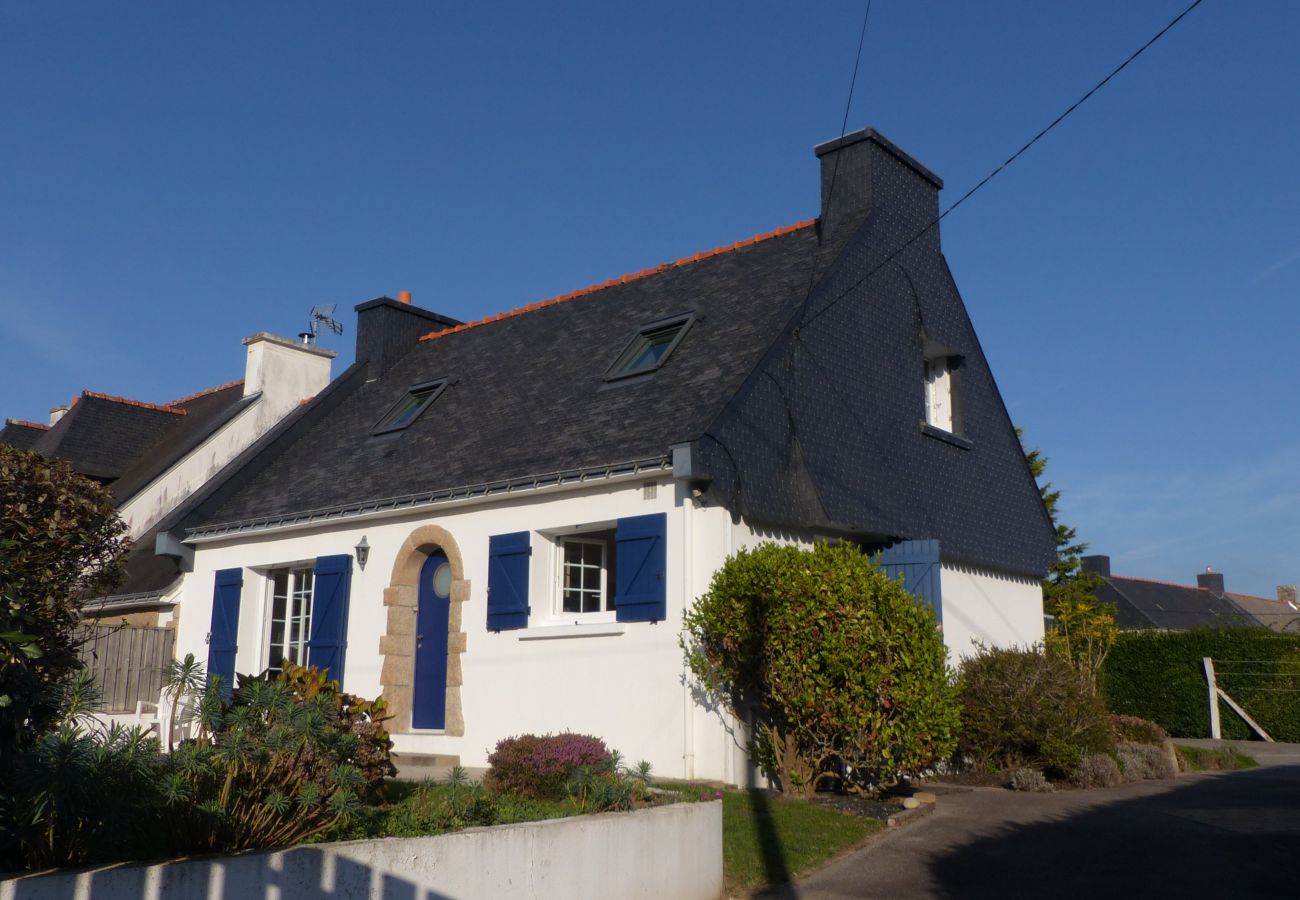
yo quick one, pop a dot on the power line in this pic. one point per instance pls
(1009, 160)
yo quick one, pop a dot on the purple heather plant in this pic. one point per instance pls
(539, 766)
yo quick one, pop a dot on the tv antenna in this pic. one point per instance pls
(321, 316)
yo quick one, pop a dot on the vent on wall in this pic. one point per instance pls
(649, 490)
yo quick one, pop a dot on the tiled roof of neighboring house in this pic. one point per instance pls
(1140, 603)
(101, 436)
(1278, 615)
(800, 382)
(205, 413)
(128, 443)
(20, 434)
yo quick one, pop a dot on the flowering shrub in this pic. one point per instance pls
(1137, 731)
(539, 766)
(1097, 771)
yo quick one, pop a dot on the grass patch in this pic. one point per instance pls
(768, 840)
(1210, 759)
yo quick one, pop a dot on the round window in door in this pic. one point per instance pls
(429, 694)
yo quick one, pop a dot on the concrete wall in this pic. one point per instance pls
(982, 606)
(665, 852)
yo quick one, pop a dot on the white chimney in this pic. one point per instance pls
(285, 370)
(57, 412)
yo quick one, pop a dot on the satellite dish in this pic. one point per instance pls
(321, 316)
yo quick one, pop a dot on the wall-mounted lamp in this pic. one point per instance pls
(363, 552)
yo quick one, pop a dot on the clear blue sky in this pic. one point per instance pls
(176, 176)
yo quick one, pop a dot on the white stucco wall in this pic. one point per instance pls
(625, 683)
(284, 374)
(665, 852)
(996, 609)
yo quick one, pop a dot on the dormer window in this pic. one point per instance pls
(415, 401)
(943, 390)
(651, 347)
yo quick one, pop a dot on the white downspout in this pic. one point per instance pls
(688, 706)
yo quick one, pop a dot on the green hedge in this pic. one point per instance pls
(1158, 675)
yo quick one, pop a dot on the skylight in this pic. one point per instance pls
(415, 401)
(651, 347)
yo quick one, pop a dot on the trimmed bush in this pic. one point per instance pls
(540, 766)
(843, 673)
(1024, 708)
(1097, 771)
(1030, 780)
(1137, 731)
(1159, 676)
(1142, 762)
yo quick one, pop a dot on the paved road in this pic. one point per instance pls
(1221, 836)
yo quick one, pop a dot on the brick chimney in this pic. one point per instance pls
(867, 169)
(1097, 565)
(1211, 581)
(388, 328)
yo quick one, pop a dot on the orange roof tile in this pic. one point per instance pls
(212, 390)
(636, 276)
(140, 403)
(25, 424)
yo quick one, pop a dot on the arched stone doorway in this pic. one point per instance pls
(397, 646)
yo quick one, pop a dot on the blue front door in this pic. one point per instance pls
(429, 698)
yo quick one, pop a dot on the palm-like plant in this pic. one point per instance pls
(185, 678)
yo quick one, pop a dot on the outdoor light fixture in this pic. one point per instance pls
(363, 552)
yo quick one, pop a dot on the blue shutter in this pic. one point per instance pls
(329, 614)
(224, 631)
(507, 602)
(642, 547)
(918, 564)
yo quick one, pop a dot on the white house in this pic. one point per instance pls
(498, 525)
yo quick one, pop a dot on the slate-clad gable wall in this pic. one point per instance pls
(826, 433)
(388, 329)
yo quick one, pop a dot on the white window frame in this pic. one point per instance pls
(293, 571)
(606, 548)
(942, 408)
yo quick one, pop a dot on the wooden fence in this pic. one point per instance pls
(129, 662)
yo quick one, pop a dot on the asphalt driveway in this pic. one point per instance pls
(1210, 835)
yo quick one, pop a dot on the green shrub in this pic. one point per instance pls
(435, 808)
(1023, 708)
(842, 672)
(539, 766)
(76, 797)
(1158, 675)
(61, 542)
(287, 761)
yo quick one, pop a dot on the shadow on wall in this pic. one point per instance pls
(301, 873)
(1222, 836)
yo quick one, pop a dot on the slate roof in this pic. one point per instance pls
(800, 383)
(528, 393)
(20, 434)
(1140, 603)
(1276, 614)
(126, 444)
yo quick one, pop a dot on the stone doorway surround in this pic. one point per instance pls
(397, 646)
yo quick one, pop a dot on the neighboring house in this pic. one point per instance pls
(153, 456)
(499, 524)
(1143, 603)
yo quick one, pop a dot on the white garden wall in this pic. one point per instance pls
(666, 852)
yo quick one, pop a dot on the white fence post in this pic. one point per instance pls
(1214, 697)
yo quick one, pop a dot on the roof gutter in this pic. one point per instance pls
(392, 507)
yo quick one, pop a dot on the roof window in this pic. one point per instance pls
(651, 347)
(416, 400)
